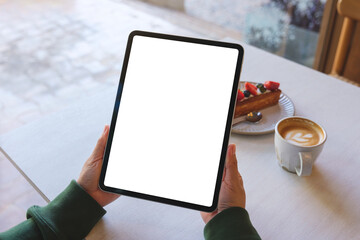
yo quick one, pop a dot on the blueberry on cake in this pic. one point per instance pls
(255, 98)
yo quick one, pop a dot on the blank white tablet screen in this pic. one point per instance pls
(171, 121)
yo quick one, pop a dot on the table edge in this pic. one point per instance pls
(24, 175)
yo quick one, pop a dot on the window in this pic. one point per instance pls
(288, 28)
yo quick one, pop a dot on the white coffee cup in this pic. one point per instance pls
(298, 142)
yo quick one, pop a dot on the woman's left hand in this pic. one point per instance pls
(90, 173)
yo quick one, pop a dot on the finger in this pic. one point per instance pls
(231, 168)
(101, 143)
(233, 165)
(224, 173)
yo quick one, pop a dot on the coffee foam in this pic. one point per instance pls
(301, 132)
(301, 136)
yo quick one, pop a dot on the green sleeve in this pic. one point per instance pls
(26, 230)
(71, 215)
(231, 224)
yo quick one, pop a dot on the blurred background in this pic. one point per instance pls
(288, 28)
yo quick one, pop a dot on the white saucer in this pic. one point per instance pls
(271, 116)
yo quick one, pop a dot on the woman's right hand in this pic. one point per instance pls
(232, 193)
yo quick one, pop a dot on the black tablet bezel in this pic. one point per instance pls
(226, 133)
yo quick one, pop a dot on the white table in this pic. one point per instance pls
(325, 205)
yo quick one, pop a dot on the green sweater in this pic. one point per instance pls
(74, 205)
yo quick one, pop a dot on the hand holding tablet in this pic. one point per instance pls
(232, 192)
(90, 173)
(172, 118)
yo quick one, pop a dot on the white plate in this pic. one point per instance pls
(271, 115)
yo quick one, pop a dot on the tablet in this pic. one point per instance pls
(172, 120)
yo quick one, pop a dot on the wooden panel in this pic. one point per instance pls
(335, 35)
(349, 8)
(328, 38)
(352, 65)
(343, 46)
(326, 28)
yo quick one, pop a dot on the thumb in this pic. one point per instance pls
(101, 143)
(231, 169)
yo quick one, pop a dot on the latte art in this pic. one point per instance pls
(301, 132)
(301, 136)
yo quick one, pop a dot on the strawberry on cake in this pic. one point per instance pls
(255, 98)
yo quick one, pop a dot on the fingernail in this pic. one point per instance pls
(104, 130)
